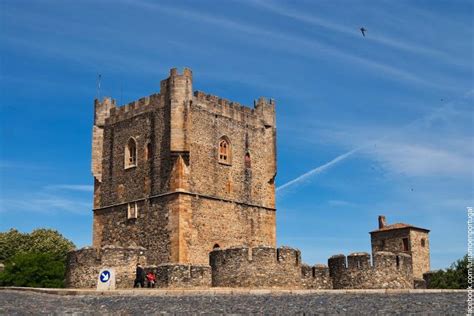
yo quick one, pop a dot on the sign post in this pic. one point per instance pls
(106, 279)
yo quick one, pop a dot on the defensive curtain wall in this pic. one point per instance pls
(388, 271)
(257, 267)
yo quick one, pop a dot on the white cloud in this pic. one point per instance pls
(71, 187)
(45, 204)
(51, 199)
(421, 159)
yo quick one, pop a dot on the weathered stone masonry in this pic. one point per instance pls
(389, 271)
(184, 183)
(187, 201)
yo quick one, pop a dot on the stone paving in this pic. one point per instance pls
(31, 303)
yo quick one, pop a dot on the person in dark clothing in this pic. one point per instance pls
(140, 277)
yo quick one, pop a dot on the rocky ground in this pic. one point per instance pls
(30, 303)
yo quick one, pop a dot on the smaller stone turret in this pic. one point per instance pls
(403, 238)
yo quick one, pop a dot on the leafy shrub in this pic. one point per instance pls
(37, 259)
(455, 277)
(33, 270)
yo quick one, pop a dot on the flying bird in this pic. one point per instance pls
(363, 30)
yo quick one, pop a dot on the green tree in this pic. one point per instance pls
(33, 270)
(51, 241)
(37, 259)
(12, 242)
(455, 277)
(41, 240)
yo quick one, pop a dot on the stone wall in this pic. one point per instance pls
(181, 275)
(315, 277)
(228, 224)
(252, 184)
(149, 230)
(256, 267)
(420, 252)
(188, 201)
(389, 271)
(392, 241)
(83, 265)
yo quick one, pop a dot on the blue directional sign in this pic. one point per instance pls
(105, 276)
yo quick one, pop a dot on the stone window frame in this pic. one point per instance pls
(130, 157)
(132, 210)
(224, 151)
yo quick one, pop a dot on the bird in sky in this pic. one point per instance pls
(363, 30)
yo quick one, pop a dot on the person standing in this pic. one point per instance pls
(140, 277)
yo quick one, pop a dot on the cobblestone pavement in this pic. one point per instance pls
(29, 303)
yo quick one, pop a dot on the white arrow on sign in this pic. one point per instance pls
(105, 277)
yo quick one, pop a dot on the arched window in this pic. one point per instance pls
(131, 153)
(216, 246)
(148, 152)
(247, 160)
(224, 151)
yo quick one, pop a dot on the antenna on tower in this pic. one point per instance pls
(99, 78)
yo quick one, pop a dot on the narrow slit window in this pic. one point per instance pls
(248, 162)
(148, 152)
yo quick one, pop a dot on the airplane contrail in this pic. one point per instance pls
(319, 169)
(339, 158)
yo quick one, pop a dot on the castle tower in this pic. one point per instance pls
(180, 173)
(403, 238)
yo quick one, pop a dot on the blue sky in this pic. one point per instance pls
(380, 124)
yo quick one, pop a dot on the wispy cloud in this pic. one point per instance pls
(409, 156)
(45, 204)
(291, 43)
(71, 187)
(50, 199)
(421, 160)
(6, 164)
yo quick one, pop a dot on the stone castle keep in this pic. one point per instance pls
(184, 183)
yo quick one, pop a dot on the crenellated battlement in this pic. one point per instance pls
(260, 254)
(120, 113)
(256, 267)
(315, 277)
(262, 113)
(83, 265)
(177, 275)
(388, 270)
(177, 90)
